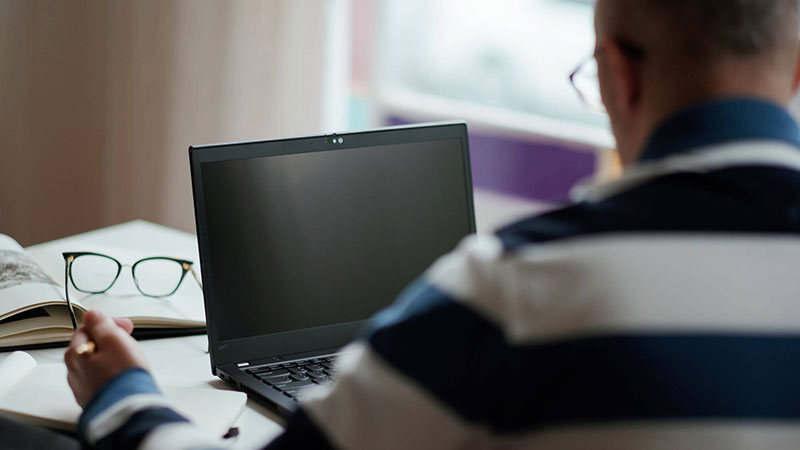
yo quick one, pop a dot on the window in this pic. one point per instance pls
(502, 64)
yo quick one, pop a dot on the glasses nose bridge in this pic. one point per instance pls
(129, 266)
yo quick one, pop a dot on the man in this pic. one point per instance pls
(662, 309)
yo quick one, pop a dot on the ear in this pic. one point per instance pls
(625, 76)
(796, 80)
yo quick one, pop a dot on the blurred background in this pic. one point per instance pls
(100, 99)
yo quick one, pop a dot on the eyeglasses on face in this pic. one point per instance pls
(586, 84)
(584, 78)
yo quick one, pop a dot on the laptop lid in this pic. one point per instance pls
(302, 240)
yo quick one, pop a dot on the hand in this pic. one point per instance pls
(115, 352)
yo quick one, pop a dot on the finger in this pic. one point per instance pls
(78, 338)
(101, 328)
(124, 323)
(91, 315)
(77, 388)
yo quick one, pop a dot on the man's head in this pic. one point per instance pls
(657, 56)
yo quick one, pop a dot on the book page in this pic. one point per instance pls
(212, 410)
(174, 310)
(45, 318)
(13, 369)
(8, 243)
(43, 397)
(39, 336)
(23, 284)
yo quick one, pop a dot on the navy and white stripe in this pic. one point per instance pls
(659, 311)
(662, 306)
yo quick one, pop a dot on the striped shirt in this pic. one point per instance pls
(661, 310)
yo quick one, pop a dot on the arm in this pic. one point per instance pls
(407, 383)
(122, 405)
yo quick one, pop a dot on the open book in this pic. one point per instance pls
(38, 394)
(34, 312)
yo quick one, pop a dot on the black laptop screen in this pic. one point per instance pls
(311, 239)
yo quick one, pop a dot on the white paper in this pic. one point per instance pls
(13, 368)
(40, 395)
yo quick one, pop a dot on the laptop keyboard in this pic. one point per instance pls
(290, 377)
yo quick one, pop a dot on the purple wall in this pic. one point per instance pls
(539, 171)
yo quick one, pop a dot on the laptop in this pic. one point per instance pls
(302, 240)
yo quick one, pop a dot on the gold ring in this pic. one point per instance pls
(87, 348)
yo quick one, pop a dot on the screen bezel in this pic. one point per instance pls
(330, 336)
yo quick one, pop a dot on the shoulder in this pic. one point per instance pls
(754, 196)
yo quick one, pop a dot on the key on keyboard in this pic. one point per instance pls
(290, 377)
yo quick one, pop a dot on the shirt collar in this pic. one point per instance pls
(720, 121)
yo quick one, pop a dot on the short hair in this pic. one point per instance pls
(716, 29)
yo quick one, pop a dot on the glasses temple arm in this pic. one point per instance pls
(196, 278)
(68, 261)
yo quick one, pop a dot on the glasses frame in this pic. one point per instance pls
(589, 104)
(69, 257)
(631, 50)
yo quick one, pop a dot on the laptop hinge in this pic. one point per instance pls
(242, 364)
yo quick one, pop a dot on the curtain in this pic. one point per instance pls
(99, 100)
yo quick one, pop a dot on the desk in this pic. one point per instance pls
(180, 361)
(184, 360)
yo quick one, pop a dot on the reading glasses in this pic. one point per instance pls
(95, 273)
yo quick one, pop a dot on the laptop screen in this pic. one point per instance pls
(316, 238)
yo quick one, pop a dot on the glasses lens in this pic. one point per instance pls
(93, 273)
(157, 277)
(586, 83)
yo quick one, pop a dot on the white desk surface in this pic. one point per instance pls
(184, 360)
